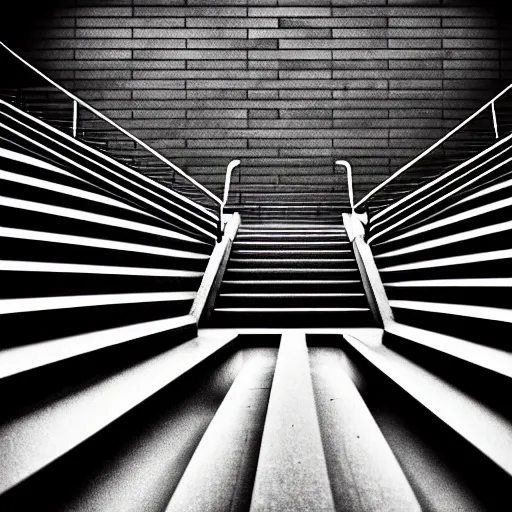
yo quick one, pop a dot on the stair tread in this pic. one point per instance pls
(253, 242)
(291, 294)
(280, 226)
(72, 268)
(292, 270)
(26, 357)
(501, 282)
(463, 310)
(285, 310)
(290, 260)
(291, 434)
(479, 424)
(357, 453)
(494, 359)
(297, 234)
(297, 229)
(322, 281)
(30, 304)
(218, 457)
(291, 251)
(46, 433)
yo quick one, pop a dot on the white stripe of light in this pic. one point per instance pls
(70, 268)
(9, 306)
(498, 282)
(447, 240)
(482, 312)
(460, 217)
(61, 211)
(69, 191)
(24, 234)
(117, 186)
(454, 260)
(35, 162)
(15, 360)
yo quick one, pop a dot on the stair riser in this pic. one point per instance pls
(492, 242)
(490, 268)
(477, 222)
(266, 301)
(268, 274)
(290, 220)
(288, 254)
(39, 326)
(291, 264)
(478, 296)
(37, 221)
(281, 239)
(305, 246)
(290, 287)
(23, 250)
(499, 333)
(32, 284)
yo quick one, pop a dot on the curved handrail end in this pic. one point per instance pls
(229, 171)
(349, 181)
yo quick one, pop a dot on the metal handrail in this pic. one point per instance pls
(434, 146)
(348, 167)
(77, 101)
(227, 184)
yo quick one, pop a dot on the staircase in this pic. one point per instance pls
(113, 399)
(291, 275)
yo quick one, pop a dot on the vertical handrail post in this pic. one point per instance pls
(227, 183)
(219, 223)
(75, 117)
(348, 167)
(495, 120)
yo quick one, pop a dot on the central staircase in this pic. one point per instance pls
(291, 275)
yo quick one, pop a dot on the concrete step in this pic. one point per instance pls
(298, 219)
(292, 473)
(228, 451)
(291, 300)
(290, 273)
(286, 227)
(279, 239)
(293, 253)
(356, 452)
(292, 286)
(291, 263)
(296, 245)
(291, 317)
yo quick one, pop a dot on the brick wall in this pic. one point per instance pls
(287, 86)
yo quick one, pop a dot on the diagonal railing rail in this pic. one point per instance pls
(131, 150)
(466, 141)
